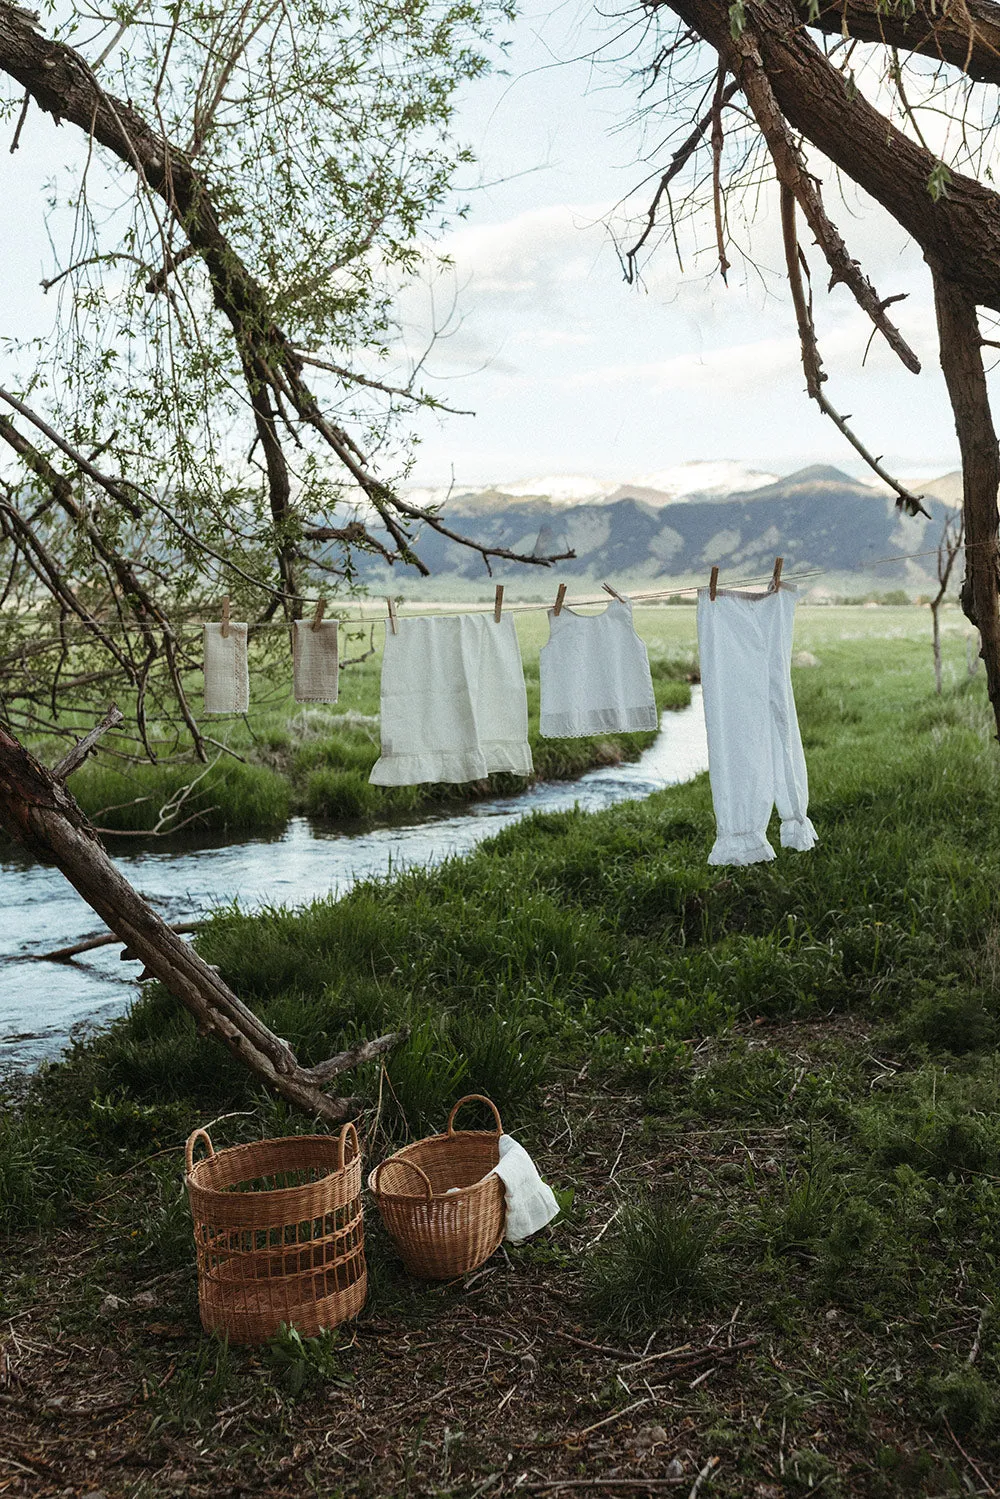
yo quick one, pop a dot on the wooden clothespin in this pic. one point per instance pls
(498, 603)
(614, 593)
(713, 584)
(318, 616)
(560, 595)
(776, 575)
(225, 617)
(392, 616)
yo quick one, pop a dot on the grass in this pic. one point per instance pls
(316, 760)
(769, 1098)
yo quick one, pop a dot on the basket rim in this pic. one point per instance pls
(404, 1151)
(191, 1175)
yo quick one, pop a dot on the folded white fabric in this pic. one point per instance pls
(755, 758)
(530, 1203)
(453, 702)
(315, 661)
(594, 675)
(227, 676)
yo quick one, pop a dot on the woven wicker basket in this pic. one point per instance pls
(279, 1234)
(440, 1233)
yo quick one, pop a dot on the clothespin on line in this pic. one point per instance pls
(498, 603)
(225, 617)
(614, 593)
(776, 576)
(392, 616)
(560, 595)
(713, 584)
(318, 616)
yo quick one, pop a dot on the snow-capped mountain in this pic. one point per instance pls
(684, 519)
(668, 486)
(709, 479)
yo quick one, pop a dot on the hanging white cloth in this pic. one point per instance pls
(315, 663)
(453, 702)
(594, 675)
(755, 757)
(227, 675)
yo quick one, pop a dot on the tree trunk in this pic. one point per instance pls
(37, 810)
(962, 363)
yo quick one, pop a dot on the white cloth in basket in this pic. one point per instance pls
(530, 1202)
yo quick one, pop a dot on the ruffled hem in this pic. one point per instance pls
(412, 770)
(510, 756)
(798, 833)
(741, 848)
(638, 720)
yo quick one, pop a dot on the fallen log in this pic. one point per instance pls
(39, 811)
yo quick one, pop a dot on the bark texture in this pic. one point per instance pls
(962, 363)
(966, 35)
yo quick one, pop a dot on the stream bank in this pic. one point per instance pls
(42, 1005)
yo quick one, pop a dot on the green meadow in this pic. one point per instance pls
(769, 1100)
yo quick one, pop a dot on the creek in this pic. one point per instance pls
(44, 1004)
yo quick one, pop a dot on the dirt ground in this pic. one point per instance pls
(502, 1383)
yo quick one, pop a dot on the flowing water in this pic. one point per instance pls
(43, 1003)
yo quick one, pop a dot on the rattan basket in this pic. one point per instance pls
(279, 1234)
(442, 1233)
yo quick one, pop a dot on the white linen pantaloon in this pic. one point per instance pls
(755, 757)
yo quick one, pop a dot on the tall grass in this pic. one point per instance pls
(829, 1020)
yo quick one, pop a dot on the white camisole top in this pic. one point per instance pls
(594, 675)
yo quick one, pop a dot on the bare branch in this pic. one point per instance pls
(83, 747)
(678, 161)
(717, 143)
(811, 361)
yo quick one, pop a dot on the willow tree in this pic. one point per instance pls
(248, 185)
(210, 414)
(899, 97)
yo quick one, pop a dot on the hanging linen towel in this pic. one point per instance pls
(755, 758)
(227, 676)
(453, 702)
(594, 675)
(315, 661)
(530, 1202)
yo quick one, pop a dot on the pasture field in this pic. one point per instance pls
(768, 1098)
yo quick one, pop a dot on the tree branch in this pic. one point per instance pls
(83, 747)
(678, 161)
(959, 231)
(967, 36)
(811, 362)
(63, 84)
(37, 810)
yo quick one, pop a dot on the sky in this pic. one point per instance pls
(568, 369)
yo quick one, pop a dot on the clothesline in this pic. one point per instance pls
(378, 611)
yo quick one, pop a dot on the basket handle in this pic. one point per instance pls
(348, 1135)
(193, 1138)
(402, 1161)
(474, 1098)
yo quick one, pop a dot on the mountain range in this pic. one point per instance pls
(652, 534)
